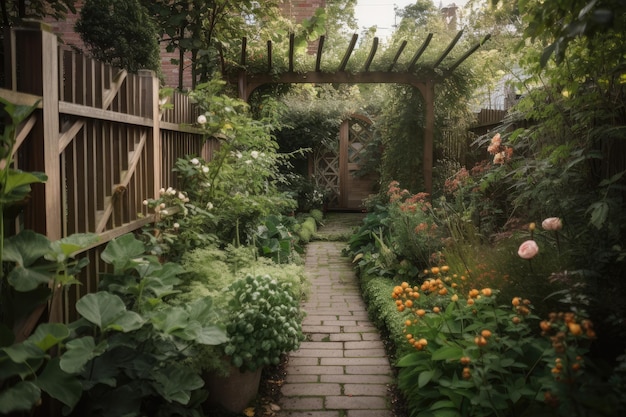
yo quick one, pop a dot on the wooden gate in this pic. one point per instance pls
(338, 169)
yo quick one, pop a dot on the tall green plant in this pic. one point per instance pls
(243, 176)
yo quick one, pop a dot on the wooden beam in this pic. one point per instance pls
(269, 56)
(346, 57)
(244, 45)
(292, 38)
(370, 58)
(448, 49)
(395, 59)
(95, 113)
(468, 53)
(318, 59)
(337, 77)
(419, 52)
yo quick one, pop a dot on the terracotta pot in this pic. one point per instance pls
(235, 391)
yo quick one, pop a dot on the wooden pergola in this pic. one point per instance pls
(423, 78)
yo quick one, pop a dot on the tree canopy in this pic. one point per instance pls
(120, 32)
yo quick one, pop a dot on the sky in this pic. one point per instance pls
(381, 13)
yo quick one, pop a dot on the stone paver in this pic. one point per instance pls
(342, 369)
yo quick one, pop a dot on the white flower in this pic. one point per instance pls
(202, 119)
(164, 212)
(254, 154)
(207, 184)
(172, 192)
(209, 205)
(162, 191)
(249, 161)
(169, 190)
(262, 154)
(181, 196)
(176, 225)
(205, 169)
(195, 161)
(162, 205)
(145, 202)
(238, 155)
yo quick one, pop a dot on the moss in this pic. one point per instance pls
(317, 215)
(305, 235)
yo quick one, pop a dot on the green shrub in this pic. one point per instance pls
(307, 229)
(264, 323)
(318, 215)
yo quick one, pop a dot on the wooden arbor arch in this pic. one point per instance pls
(424, 81)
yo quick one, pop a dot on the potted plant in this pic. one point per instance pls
(264, 323)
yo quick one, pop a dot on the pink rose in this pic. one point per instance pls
(552, 223)
(528, 249)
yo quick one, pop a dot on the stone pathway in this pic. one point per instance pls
(342, 369)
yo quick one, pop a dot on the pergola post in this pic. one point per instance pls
(429, 132)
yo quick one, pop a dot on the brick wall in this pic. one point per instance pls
(293, 9)
(299, 10)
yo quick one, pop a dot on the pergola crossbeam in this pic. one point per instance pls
(466, 55)
(445, 53)
(292, 40)
(370, 57)
(318, 60)
(419, 52)
(397, 56)
(346, 57)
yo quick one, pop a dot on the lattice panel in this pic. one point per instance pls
(360, 135)
(326, 174)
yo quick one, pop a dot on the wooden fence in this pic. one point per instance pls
(103, 138)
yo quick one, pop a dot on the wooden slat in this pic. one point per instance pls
(318, 59)
(244, 45)
(108, 115)
(467, 54)
(419, 52)
(292, 40)
(448, 49)
(133, 159)
(397, 56)
(370, 57)
(346, 56)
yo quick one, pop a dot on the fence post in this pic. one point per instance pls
(38, 74)
(150, 92)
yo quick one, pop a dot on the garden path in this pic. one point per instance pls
(342, 369)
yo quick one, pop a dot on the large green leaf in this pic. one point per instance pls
(17, 184)
(108, 311)
(211, 335)
(23, 370)
(170, 320)
(23, 352)
(122, 252)
(20, 397)
(424, 378)
(60, 385)
(79, 352)
(48, 335)
(447, 352)
(176, 382)
(25, 248)
(28, 279)
(66, 247)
